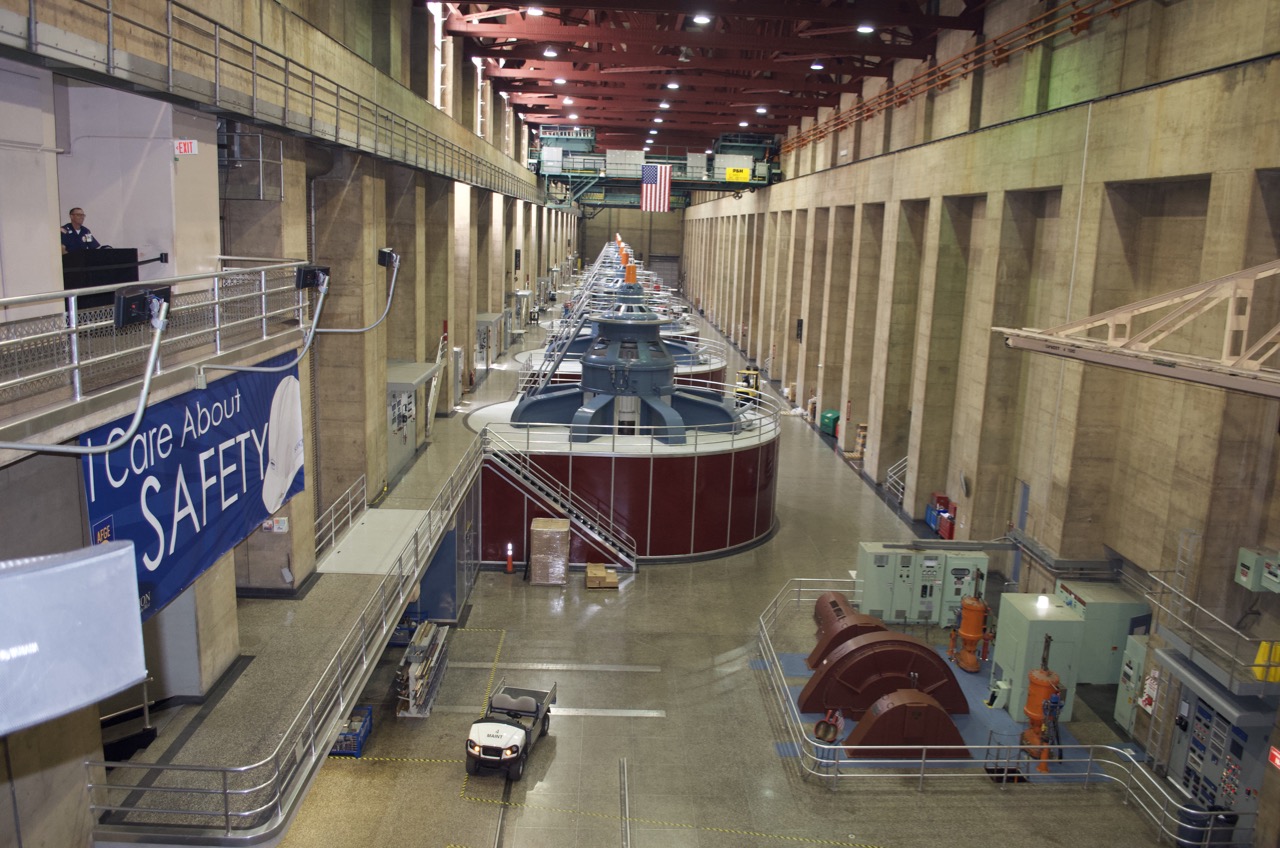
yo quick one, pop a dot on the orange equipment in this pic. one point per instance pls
(631, 270)
(1042, 684)
(973, 617)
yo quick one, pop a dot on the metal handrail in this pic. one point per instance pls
(1100, 764)
(895, 478)
(598, 517)
(1248, 661)
(250, 78)
(341, 515)
(281, 776)
(71, 346)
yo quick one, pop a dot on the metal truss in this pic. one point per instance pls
(1157, 336)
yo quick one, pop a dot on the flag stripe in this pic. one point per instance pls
(655, 188)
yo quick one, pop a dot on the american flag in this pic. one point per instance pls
(655, 188)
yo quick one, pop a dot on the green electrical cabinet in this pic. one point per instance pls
(827, 423)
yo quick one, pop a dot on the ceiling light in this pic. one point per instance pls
(533, 11)
(568, 101)
(760, 110)
(673, 85)
(653, 132)
(558, 80)
(573, 116)
(708, 151)
(664, 105)
(816, 66)
(657, 120)
(645, 148)
(743, 124)
(550, 52)
(866, 29)
(701, 18)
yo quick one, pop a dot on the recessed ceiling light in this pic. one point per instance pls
(664, 105)
(653, 132)
(816, 66)
(743, 124)
(673, 85)
(550, 52)
(865, 29)
(708, 151)
(760, 110)
(533, 11)
(573, 116)
(568, 101)
(558, 80)
(645, 148)
(657, 120)
(701, 18)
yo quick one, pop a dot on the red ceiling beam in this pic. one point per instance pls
(876, 12)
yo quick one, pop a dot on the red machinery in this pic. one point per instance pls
(862, 670)
(908, 718)
(838, 622)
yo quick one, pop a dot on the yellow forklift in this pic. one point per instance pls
(746, 390)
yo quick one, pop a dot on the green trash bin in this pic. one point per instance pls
(827, 422)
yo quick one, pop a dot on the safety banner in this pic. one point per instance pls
(203, 471)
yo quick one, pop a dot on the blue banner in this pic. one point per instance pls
(202, 472)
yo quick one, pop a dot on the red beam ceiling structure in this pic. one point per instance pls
(789, 57)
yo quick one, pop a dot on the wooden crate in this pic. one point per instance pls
(601, 577)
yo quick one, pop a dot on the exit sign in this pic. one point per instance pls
(1274, 756)
(184, 147)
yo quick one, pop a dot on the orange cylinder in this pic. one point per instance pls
(624, 256)
(631, 272)
(1041, 683)
(973, 615)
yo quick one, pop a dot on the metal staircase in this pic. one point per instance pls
(568, 329)
(594, 521)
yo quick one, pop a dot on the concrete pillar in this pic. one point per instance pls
(462, 304)
(409, 336)
(860, 319)
(438, 260)
(279, 229)
(889, 415)
(949, 254)
(791, 294)
(834, 310)
(813, 297)
(43, 774)
(351, 369)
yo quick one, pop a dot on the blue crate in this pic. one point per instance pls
(350, 742)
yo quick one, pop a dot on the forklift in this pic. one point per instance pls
(746, 390)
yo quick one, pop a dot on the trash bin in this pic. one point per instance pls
(1193, 826)
(827, 423)
(1222, 827)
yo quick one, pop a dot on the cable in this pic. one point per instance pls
(159, 320)
(273, 369)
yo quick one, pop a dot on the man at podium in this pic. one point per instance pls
(76, 236)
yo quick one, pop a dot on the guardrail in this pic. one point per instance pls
(788, 620)
(68, 352)
(201, 60)
(760, 422)
(341, 515)
(708, 354)
(1252, 665)
(252, 803)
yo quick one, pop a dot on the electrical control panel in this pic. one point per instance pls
(1219, 748)
(1111, 612)
(917, 586)
(1258, 570)
(1129, 690)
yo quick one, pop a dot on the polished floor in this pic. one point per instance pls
(664, 735)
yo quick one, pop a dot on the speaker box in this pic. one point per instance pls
(70, 632)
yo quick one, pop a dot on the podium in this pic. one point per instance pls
(84, 269)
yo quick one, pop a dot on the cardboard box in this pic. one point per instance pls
(549, 551)
(600, 577)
